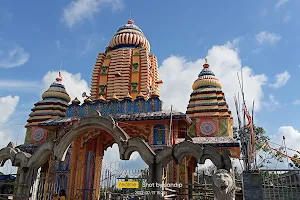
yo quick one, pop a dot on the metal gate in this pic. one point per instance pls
(281, 184)
(89, 189)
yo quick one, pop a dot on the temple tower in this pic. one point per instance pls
(208, 108)
(53, 105)
(211, 118)
(126, 67)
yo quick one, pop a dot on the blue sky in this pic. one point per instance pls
(263, 35)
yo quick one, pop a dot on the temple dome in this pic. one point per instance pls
(207, 98)
(57, 90)
(129, 35)
(206, 78)
(53, 104)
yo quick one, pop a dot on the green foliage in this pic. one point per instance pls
(295, 164)
(264, 154)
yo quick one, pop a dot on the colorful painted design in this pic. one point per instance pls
(134, 86)
(38, 134)
(135, 67)
(103, 70)
(102, 89)
(223, 127)
(159, 134)
(125, 106)
(208, 128)
(28, 135)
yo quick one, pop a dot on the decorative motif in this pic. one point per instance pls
(208, 128)
(102, 88)
(38, 134)
(134, 86)
(135, 67)
(103, 70)
(159, 134)
(223, 127)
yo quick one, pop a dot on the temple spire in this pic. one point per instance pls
(130, 21)
(206, 65)
(59, 78)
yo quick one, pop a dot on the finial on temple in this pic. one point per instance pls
(130, 21)
(59, 78)
(206, 65)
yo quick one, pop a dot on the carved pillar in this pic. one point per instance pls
(98, 167)
(49, 178)
(27, 175)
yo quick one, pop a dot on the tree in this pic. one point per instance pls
(265, 155)
(295, 164)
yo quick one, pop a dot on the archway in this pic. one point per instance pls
(74, 161)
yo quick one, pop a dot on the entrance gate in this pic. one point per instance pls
(60, 178)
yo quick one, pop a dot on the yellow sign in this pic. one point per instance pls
(128, 184)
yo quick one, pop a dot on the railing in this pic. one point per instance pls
(281, 184)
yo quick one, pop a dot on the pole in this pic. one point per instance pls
(287, 159)
(170, 133)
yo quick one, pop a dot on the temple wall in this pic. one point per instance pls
(135, 73)
(144, 71)
(96, 75)
(154, 74)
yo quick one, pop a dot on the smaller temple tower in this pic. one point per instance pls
(208, 108)
(53, 105)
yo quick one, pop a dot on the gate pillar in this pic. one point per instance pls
(155, 179)
(252, 186)
(27, 175)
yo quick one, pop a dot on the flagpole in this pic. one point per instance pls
(170, 129)
(287, 159)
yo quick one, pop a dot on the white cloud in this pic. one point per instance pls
(78, 10)
(74, 83)
(12, 55)
(281, 79)
(234, 44)
(225, 63)
(296, 102)
(8, 106)
(281, 3)
(265, 37)
(272, 104)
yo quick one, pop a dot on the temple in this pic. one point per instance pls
(125, 86)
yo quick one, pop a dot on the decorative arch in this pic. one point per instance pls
(104, 123)
(159, 134)
(216, 158)
(42, 154)
(139, 145)
(17, 157)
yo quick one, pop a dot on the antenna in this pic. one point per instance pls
(130, 14)
(60, 65)
(85, 95)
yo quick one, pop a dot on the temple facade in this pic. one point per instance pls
(125, 85)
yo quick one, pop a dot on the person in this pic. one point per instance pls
(62, 195)
(55, 197)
